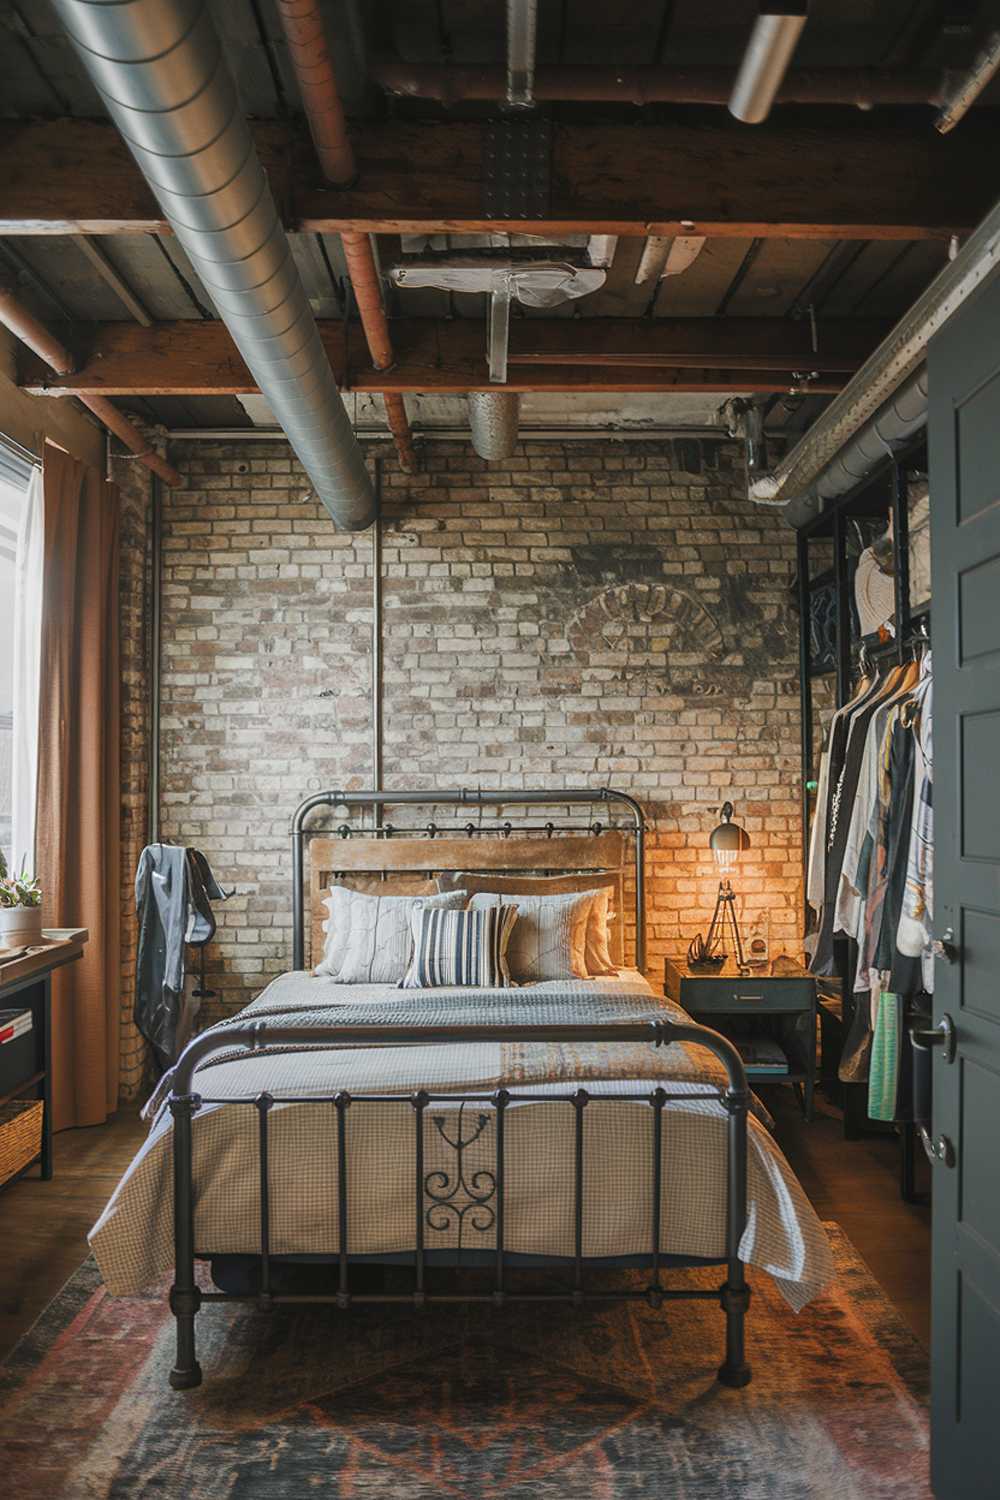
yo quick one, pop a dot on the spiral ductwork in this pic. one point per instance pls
(493, 418)
(160, 69)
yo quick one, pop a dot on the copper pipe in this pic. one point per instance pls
(598, 83)
(399, 426)
(367, 290)
(26, 327)
(302, 21)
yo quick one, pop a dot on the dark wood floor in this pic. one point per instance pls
(43, 1225)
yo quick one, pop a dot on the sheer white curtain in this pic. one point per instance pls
(27, 644)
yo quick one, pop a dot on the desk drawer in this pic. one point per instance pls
(746, 994)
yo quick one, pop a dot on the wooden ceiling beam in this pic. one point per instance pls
(191, 358)
(863, 179)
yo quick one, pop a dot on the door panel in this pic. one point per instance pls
(979, 595)
(980, 944)
(964, 446)
(980, 735)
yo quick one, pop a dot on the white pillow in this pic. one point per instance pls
(549, 940)
(369, 938)
(598, 958)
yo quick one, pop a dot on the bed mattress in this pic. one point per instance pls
(133, 1237)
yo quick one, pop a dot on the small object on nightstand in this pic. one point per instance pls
(758, 946)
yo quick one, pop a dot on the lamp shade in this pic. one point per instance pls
(728, 840)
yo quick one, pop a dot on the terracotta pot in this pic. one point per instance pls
(20, 926)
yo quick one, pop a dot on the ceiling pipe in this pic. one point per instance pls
(967, 88)
(895, 360)
(160, 69)
(26, 327)
(522, 29)
(365, 280)
(641, 84)
(309, 52)
(493, 418)
(770, 49)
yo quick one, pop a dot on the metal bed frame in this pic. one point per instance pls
(480, 1195)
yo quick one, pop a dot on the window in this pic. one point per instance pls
(15, 472)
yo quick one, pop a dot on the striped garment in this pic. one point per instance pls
(460, 947)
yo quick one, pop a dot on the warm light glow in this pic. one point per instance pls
(726, 859)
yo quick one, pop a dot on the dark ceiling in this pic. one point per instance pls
(732, 278)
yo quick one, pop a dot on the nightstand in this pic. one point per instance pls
(776, 1003)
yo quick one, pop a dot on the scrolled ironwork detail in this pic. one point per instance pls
(458, 1196)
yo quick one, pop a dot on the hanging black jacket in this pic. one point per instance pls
(174, 889)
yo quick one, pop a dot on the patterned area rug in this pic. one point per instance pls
(606, 1404)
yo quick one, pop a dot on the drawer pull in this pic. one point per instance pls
(739, 995)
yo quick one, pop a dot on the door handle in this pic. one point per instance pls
(944, 947)
(942, 1035)
(940, 1152)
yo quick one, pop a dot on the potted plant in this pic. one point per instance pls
(20, 907)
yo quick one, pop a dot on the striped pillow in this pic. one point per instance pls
(460, 947)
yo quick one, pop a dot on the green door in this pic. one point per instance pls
(964, 444)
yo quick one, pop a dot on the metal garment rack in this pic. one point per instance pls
(882, 493)
(462, 797)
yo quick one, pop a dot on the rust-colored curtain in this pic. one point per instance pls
(77, 844)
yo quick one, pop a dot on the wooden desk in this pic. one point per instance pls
(27, 981)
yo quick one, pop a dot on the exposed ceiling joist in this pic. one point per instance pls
(192, 358)
(827, 180)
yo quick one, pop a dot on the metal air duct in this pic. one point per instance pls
(160, 69)
(773, 40)
(493, 418)
(895, 422)
(896, 359)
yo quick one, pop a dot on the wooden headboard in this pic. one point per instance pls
(413, 856)
(407, 863)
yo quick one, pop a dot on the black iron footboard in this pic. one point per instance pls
(431, 1196)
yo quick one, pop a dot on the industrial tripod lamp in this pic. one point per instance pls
(727, 842)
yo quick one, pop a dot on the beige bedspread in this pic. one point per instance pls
(133, 1237)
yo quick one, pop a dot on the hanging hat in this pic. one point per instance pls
(874, 592)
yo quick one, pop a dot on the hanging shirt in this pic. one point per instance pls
(913, 936)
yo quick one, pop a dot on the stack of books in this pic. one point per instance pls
(14, 1023)
(762, 1057)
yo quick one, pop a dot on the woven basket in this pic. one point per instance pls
(20, 1135)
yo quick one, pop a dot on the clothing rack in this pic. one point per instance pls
(882, 495)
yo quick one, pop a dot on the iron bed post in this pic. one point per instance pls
(735, 1295)
(185, 1297)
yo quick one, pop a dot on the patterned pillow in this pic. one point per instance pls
(372, 934)
(550, 939)
(605, 949)
(460, 947)
(336, 928)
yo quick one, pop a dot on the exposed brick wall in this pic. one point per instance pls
(134, 623)
(584, 612)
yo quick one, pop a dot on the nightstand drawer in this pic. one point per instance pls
(736, 995)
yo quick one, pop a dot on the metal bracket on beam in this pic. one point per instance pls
(517, 169)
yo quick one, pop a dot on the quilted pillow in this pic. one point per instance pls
(550, 938)
(336, 927)
(371, 935)
(460, 947)
(605, 952)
